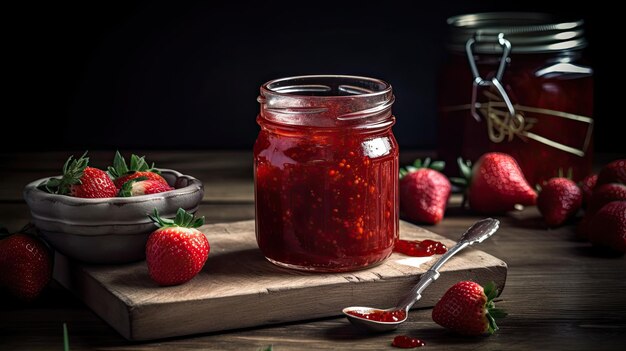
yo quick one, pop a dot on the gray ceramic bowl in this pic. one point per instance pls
(111, 230)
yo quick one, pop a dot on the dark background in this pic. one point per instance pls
(178, 75)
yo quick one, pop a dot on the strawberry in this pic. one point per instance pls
(468, 309)
(614, 172)
(25, 265)
(609, 227)
(424, 192)
(79, 180)
(138, 168)
(177, 251)
(605, 193)
(602, 194)
(559, 200)
(142, 186)
(587, 185)
(94, 183)
(496, 184)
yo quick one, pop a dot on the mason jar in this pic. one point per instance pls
(517, 83)
(326, 173)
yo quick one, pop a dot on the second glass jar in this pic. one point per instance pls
(518, 83)
(326, 173)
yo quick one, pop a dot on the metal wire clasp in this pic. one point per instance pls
(495, 81)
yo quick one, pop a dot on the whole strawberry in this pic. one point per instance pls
(468, 309)
(25, 265)
(587, 185)
(138, 168)
(608, 227)
(614, 172)
(79, 180)
(602, 194)
(424, 192)
(497, 184)
(605, 193)
(176, 252)
(142, 186)
(559, 200)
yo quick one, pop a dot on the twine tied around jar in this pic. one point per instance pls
(506, 120)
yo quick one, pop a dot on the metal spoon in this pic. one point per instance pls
(478, 232)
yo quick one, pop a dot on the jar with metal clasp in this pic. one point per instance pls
(518, 83)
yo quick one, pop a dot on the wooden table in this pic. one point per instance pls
(559, 293)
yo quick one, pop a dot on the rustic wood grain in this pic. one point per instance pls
(245, 290)
(560, 294)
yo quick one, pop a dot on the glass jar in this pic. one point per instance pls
(326, 173)
(517, 83)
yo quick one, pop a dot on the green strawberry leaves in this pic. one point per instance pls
(465, 166)
(127, 188)
(72, 172)
(491, 292)
(183, 219)
(137, 164)
(66, 339)
(119, 165)
(418, 163)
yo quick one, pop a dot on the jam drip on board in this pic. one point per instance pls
(420, 248)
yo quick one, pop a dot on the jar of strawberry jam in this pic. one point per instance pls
(326, 173)
(517, 83)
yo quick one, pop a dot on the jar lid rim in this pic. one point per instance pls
(528, 32)
(280, 86)
(327, 101)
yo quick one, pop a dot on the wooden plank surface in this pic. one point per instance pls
(246, 290)
(560, 294)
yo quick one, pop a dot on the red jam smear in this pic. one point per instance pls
(326, 201)
(420, 248)
(381, 316)
(407, 342)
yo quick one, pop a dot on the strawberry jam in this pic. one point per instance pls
(419, 248)
(326, 173)
(381, 316)
(406, 342)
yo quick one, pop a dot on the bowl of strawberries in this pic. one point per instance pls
(101, 216)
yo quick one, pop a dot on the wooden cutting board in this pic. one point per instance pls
(239, 288)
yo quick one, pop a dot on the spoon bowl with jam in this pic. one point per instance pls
(376, 319)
